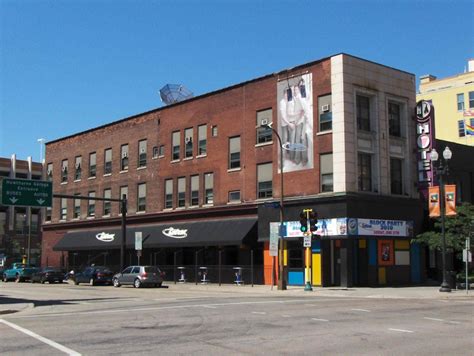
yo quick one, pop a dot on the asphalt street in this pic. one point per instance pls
(68, 319)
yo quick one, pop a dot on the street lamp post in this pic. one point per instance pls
(281, 276)
(442, 171)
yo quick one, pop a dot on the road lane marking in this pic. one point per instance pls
(152, 308)
(209, 306)
(260, 313)
(443, 320)
(312, 305)
(316, 319)
(402, 330)
(41, 338)
(286, 316)
(434, 319)
(454, 322)
(362, 310)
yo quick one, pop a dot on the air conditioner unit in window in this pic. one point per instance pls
(142, 150)
(124, 155)
(188, 139)
(65, 169)
(264, 122)
(325, 108)
(78, 165)
(49, 173)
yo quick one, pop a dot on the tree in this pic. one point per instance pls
(457, 229)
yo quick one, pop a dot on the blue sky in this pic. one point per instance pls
(68, 66)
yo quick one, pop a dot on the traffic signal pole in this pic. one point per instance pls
(308, 261)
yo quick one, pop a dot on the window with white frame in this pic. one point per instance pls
(142, 153)
(92, 164)
(325, 112)
(209, 188)
(76, 213)
(141, 197)
(326, 169)
(169, 194)
(181, 192)
(175, 145)
(188, 143)
(123, 192)
(460, 102)
(155, 152)
(394, 119)
(64, 169)
(49, 172)
(264, 181)
(194, 194)
(234, 152)
(471, 100)
(202, 140)
(63, 209)
(124, 157)
(396, 176)
(91, 205)
(107, 203)
(108, 161)
(234, 196)
(264, 134)
(214, 130)
(363, 112)
(364, 163)
(78, 168)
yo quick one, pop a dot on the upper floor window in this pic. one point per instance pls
(175, 145)
(214, 130)
(108, 161)
(142, 153)
(202, 140)
(124, 157)
(123, 192)
(209, 188)
(76, 213)
(64, 169)
(141, 197)
(326, 169)
(365, 172)
(471, 100)
(363, 112)
(234, 196)
(461, 128)
(234, 152)
(91, 204)
(394, 119)
(63, 209)
(460, 101)
(264, 181)
(181, 192)
(92, 164)
(48, 214)
(264, 134)
(161, 151)
(78, 168)
(396, 176)
(49, 172)
(325, 112)
(168, 194)
(188, 143)
(107, 203)
(194, 196)
(155, 152)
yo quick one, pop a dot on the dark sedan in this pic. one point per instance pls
(48, 274)
(94, 275)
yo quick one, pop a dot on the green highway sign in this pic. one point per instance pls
(26, 192)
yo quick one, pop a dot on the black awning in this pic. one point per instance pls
(197, 233)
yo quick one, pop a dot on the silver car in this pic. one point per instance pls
(139, 276)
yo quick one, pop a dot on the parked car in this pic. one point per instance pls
(48, 274)
(19, 272)
(139, 276)
(94, 275)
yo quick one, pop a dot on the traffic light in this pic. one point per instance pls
(313, 221)
(303, 222)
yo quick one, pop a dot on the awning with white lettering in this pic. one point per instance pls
(186, 234)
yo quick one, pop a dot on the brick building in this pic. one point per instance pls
(199, 174)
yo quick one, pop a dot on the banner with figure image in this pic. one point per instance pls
(450, 199)
(433, 202)
(295, 121)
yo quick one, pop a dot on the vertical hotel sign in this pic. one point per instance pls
(424, 142)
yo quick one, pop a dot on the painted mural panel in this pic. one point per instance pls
(295, 121)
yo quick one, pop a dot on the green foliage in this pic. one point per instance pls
(457, 228)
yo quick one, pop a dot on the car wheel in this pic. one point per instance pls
(5, 279)
(17, 278)
(91, 282)
(116, 282)
(76, 282)
(42, 280)
(137, 283)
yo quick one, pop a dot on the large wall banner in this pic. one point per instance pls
(379, 227)
(295, 121)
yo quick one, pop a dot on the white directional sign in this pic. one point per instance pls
(138, 240)
(273, 248)
(307, 241)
